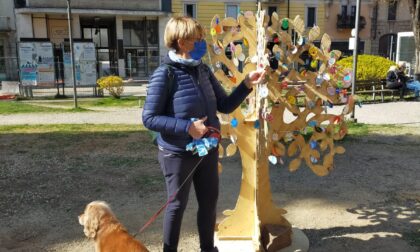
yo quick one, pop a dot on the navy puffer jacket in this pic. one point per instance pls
(195, 93)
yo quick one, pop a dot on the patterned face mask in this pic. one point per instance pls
(200, 49)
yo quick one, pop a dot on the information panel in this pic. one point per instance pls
(36, 64)
(85, 64)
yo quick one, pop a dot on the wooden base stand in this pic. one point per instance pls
(298, 242)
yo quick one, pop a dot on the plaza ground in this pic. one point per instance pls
(369, 202)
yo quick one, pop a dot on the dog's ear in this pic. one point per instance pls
(91, 225)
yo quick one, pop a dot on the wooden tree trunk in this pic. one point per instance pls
(255, 217)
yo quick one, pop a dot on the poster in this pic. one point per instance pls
(85, 65)
(36, 64)
(45, 62)
(27, 64)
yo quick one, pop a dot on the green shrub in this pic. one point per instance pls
(113, 84)
(368, 66)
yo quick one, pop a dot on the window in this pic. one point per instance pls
(232, 10)
(310, 16)
(353, 11)
(134, 32)
(388, 46)
(271, 10)
(392, 10)
(152, 33)
(140, 33)
(344, 10)
(98, 35)
(190, 10)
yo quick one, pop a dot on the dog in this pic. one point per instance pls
(101, 225)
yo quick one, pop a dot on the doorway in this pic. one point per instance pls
(102, 31)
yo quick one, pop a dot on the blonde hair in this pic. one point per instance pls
(392, 68)
(401, 64)
(181, 28)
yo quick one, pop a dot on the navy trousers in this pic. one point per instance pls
(176, 168)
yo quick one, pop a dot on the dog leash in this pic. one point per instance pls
(212, 133)
(171, 198)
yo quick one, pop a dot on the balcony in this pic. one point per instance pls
(5, 25)
(348, 22)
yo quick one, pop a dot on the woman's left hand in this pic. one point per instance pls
(254, 78)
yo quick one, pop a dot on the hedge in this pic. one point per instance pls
(369, 67)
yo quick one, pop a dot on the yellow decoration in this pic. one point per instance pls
(291, 100)
(313, 51)
(246, 42)
(213, 31)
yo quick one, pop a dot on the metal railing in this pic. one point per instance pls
(134, 84)
(348, 22)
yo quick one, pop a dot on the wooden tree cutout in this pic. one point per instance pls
(283, 117)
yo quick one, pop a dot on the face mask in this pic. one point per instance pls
(200, 48)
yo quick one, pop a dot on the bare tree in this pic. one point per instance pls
(415, 14)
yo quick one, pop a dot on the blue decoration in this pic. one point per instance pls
(257, 124)
(312, 123)
(313, 144)
(277, 55)
(234, 123)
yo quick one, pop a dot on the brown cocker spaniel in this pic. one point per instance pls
(101, 225)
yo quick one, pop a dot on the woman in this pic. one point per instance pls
(413, 85)
(394, 79)
(193, 92)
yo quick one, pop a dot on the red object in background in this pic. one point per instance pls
(7, 96)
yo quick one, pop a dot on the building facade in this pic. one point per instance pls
(389, 19)
(127, 33)
(8, 62)
(312, 11)
(340, 16)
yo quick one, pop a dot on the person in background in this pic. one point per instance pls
(395, 79)
(413, 85)
(184, 112)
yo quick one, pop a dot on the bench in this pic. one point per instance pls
(375, 87)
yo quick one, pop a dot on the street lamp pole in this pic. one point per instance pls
(356, 48)
(72, 53)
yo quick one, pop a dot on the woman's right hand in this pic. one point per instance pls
(197, 128)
